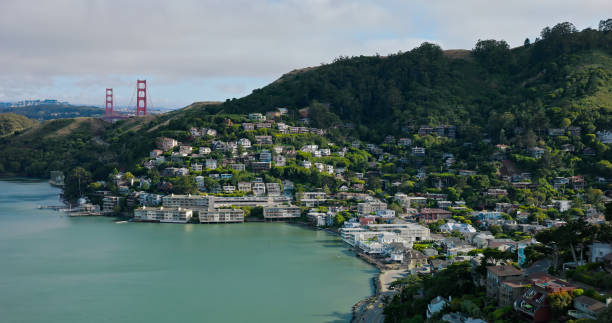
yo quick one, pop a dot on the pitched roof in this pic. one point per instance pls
(590, 303)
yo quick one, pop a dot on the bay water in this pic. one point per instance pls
(91, 269)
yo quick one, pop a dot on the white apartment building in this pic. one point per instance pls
(163, 214)
(221, 215)
(281, 212)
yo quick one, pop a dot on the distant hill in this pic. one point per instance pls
(10, 122)
(54, 111)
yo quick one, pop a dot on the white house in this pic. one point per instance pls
(244, 143)
(461, 227)
(436, 305)
(211, 164)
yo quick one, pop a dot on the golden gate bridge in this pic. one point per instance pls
(111, 115)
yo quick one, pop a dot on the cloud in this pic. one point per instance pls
(73, 47)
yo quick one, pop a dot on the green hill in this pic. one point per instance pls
(10, 122)
(566, 74)
(492, 92)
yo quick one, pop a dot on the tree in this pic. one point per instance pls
(565, 122)
(527, 42)
(493, 54)
(76, 182)
(605, 25)
(559, 302)
(608, 211)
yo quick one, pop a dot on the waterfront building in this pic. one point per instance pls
(221, 215)
(281, 212)
(187, 201)
(163, 214)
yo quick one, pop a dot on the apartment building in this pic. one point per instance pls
(163, 214)
(221, 215)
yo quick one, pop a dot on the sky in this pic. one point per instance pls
(211, 50)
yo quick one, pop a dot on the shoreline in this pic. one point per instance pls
(375, 280)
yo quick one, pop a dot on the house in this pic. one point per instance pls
(238, 167)
(209, 132)
(185, 150)
(425, 130)
(260, 166)
(244, 186)
(574, 131)
(414, 258)
(385, 214)
(510, 290)
(280, 160)
(264, 140)
(256, 117)
(370, 207)
(155, 152)
(428, 215)
(436, 305)
(555, 132)
(165, 143)
(273, 189)
(306, 164)
(497, 192)
(604, 136)
(312, 199)
(317, 218)
(246, 126)
(559, 182)
(496, 275)
(265, 156)
(403, 142)
(586, 308)
(204, 150)
(259, 188)
(418, 151)
(562, 205)
(182, 171)
(598, 250)
(578, 182)
(460, 227)
(537, 152)
(244, 143)
(211, 164)
(196, 167)
(533, 303)
(169, 172)
(229, 188)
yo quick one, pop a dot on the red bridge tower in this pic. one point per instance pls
(109, 102)
(141, 97)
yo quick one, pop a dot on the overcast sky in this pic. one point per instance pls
(205, 50)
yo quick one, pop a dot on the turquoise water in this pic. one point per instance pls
(59, 269)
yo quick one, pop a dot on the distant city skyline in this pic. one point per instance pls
(213, 50)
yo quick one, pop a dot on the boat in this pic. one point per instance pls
(120, 221)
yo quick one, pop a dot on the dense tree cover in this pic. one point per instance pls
(494, 87)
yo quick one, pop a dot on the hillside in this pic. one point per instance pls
(10, 122)
(493, 93)
(54, 111)
(566, 70)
